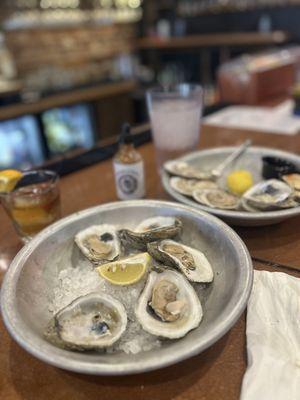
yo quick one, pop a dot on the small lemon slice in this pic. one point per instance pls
(8, 180)
(127, 271)
(239, 182)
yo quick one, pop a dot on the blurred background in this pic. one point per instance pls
(72, 71)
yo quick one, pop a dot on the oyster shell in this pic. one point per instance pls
(217, 198)
(94, 321)
(296, 196)
(183, 169)
(269, 195)
(291, 202)
(151, 229)
(99, 243)
(187, 186)
(292, 180)
(191, 262)
(168, 306)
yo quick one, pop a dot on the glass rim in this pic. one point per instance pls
(52, 181)
(174, 89)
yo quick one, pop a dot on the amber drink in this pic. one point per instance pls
(34, 203)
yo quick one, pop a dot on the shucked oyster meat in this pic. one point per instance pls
(187, 186)
(183, 169)
(99, 243)
(90, 322)
(168, 306)
(164, 301)
(217, 198)
(149, 230)
(191, 262)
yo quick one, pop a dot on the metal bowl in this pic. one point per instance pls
(252, 160)
(29, 282)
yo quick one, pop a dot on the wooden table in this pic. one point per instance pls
(215, 374)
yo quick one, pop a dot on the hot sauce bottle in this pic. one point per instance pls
(128, 168)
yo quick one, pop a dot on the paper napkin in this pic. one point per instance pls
(273, 338)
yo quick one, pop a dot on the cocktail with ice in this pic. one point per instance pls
(175, 114)
(34, 203)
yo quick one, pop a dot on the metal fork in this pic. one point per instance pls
(217, 172)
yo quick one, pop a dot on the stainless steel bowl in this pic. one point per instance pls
(208, 159)
(29, 282)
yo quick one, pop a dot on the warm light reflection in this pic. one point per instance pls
(4, 264)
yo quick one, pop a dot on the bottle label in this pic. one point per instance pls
(129, 180)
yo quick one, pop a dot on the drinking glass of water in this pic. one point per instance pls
(175, 114)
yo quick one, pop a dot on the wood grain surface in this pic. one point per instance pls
(215, 374)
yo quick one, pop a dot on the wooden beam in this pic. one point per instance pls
(67, 98)
(214, 40)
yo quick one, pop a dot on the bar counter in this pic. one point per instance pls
(215, 374)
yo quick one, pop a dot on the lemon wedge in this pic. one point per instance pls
(8, 179)
(239, 182)
(127, 271)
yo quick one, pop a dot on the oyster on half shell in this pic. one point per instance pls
(168, 306)
(291, 202)
(151, 229)
(187, 186)
(293, 180)
(91, 322)
(99, 243)
(191, 262)
(217, 198)
(185, 170)
(269, 195)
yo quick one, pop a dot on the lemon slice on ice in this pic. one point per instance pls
(8, 179)
(127, 271)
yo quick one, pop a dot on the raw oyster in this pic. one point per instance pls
(217, 198)
(99, 243)
(91, 322)
(293, 180)
(187, 186)
(168, 306)
(183, 169)
(291, 202)
(191, 262)
(268, 195)
(156, 228)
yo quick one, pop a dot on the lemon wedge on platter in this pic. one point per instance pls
(126, 271)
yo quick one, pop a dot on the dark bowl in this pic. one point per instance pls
(275, 168)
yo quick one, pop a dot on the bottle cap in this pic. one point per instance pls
(126, 136)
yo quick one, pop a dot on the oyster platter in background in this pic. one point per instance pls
(158, 273)
(249, 192)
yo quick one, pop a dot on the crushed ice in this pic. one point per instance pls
(72, 283)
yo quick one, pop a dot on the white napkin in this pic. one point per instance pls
(278, 120)
(273, 338)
